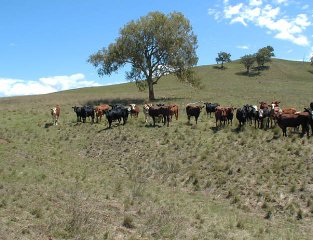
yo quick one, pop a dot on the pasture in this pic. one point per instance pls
(185, 181)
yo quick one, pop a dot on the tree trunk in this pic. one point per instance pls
(151, 92)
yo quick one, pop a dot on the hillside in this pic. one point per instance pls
(187, 181)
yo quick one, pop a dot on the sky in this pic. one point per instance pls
(45, 45)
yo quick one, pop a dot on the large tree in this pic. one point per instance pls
(248, 61)
(154, 45)
(223, 57)
(264, 55)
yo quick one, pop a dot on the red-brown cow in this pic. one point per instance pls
(220, 115)
(99, 110)
(173, 111)
(294, 120)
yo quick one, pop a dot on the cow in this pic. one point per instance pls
(220, 115)
(145, 110)
(164, 111)
(241, 115)
(133, 110)
(193, 111)
(288, 110)
(55, 113)
(173, 111)
(117, 113)
(230, 114)
(275, 110)
(83, 112)
(99, 111)
(264, 115)
(310, 112)
(210, 108)
(293, 120)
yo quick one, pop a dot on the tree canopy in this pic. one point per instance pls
(223, 57)
(154, 45)
(264, 55)
(248, 61)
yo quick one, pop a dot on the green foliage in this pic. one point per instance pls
(264, 55)
(154, 46)
(223, 57)
(248, 61)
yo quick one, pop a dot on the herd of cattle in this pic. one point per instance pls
(264, 116)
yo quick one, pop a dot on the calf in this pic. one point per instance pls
(293, 120)
(55, 113)
(99, 111)
(193, 111)
(164, 111)
(117, 113)
(210, 108)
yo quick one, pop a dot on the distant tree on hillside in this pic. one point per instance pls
(223, 57)
(248, 61)
(154, 45)
(264, 55)
(311, 60)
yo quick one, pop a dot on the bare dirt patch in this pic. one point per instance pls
(4, 141)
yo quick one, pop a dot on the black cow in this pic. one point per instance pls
(164, 111)
(83, 112)
(193, 111)
(210, 108)
(241, 115)
(117, 113)
(310, 111)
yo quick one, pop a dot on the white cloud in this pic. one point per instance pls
(271, 17)
(243, 47)
(14, 87)
(255, 2)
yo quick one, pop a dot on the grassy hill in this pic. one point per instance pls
(187, 181)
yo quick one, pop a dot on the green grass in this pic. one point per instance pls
(83, 181)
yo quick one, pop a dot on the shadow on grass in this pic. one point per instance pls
(310, 71)
(127, 101)
(219, 67)
(250, 74)
(47, 125)
(152, 126)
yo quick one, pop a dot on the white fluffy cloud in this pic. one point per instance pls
(18, 87)
(270, 15)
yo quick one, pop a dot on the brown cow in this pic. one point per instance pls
(293, 120)
(99, 110)
(288, 110)
(156, 111)
(220, 115)
(173, 111)
(55, 113)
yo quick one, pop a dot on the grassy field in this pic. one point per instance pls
(186, 181)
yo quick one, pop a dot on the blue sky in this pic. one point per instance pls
(44, 45)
